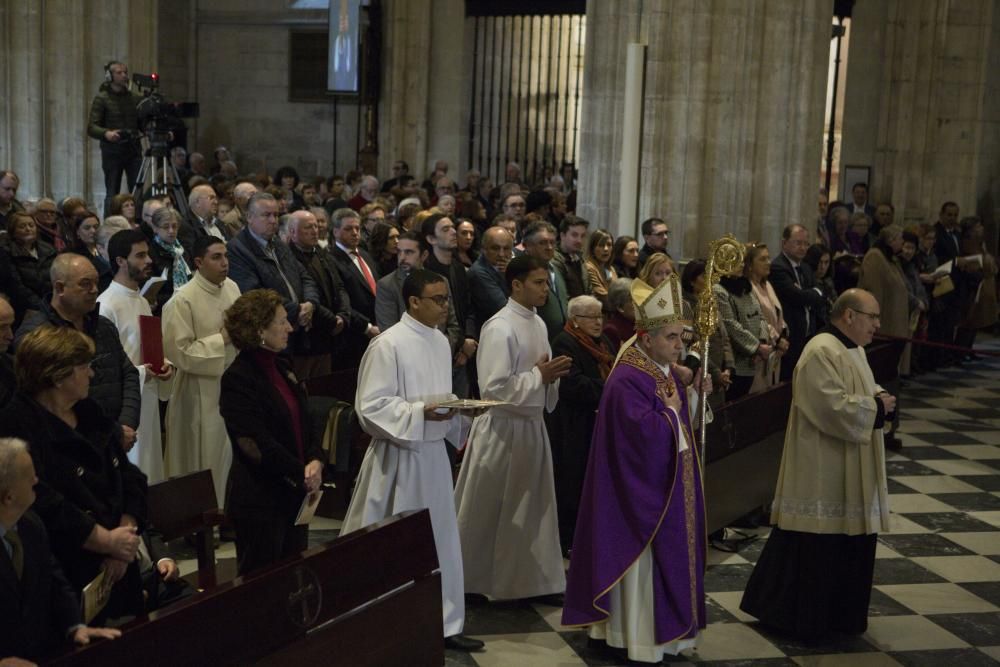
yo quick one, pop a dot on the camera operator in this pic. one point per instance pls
(115, 122)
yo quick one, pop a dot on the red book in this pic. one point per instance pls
(151, 333)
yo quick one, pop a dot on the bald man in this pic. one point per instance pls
(115, 381)
(236, 219)
(487, 285)
(311, 352)
(814, 577)
(203, 207)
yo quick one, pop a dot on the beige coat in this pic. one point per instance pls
(832, 478)
(886, 282)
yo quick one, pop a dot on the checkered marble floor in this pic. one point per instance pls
(936, 597)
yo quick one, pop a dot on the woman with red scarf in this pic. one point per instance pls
(572, 424)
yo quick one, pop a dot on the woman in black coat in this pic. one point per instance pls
(91, 499)
(31, 256)
(276, 460)
(579, 396)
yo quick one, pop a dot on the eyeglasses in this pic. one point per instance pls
(875, 316)
(439, 300)
(590, 317)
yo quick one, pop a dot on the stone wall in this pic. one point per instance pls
(922, 104)
(733, 117)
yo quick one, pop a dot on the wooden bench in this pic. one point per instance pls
(372, 597)
(186, 506)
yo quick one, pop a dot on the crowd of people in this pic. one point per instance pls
(434, 289)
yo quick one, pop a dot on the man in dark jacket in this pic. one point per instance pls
(258, 259)
(487, 286)
(359, 274)
(114, 121)
(8, 384)
(796, 289)
(333, 311)
(115, 383)
(38, 605)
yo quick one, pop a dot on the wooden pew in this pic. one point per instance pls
(372, 597)
(745, 440)
(186, 505)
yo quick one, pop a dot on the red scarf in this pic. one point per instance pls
(598, 349)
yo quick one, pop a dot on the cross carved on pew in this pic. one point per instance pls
(304, 604)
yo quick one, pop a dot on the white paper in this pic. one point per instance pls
(308, 509)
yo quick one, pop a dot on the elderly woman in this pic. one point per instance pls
(656, 269)
(757, 267)
(882, 275)
(30, 255)
(90, 497)
(740, 311)
(620, 324)
(600, 271)
(625, 257)
(579, 395)
(170, 259)
(275, 459)
(382, 243)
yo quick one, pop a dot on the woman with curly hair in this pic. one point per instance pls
(276, 462)
(382, 243)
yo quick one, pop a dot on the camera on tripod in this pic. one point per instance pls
(157, 116)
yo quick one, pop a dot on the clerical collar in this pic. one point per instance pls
(665, 369)
(523, 311)
(839, 335)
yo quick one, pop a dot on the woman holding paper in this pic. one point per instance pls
(91, 499)
(276, 463)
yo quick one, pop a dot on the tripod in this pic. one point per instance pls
(157, 167)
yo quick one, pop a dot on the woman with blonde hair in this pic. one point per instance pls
(656, 269)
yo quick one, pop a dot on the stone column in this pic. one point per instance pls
(923, 104)
(423, 111)
(733, 119)
(54, 54)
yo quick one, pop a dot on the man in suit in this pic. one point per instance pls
(487, 285)
(540, 243)
(859, 197)
(359, 274)
(258, 259)
(39, 608)
(947, 308)
(201, 221)
(794, 285)
(334, 308)
(389, 302)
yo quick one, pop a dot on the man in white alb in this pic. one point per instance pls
(196, 342)
(505, 495)
(404, 374)
(121, 302)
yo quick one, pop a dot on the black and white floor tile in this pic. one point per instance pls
(936, 597)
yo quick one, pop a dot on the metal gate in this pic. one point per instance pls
(526, 91)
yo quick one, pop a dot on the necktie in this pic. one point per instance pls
(798, 276)
(366, 271)
(16, 551)
(272, 254)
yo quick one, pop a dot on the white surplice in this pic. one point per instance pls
(505, 494)
(406, 467)
(123, 306)
(192, 339)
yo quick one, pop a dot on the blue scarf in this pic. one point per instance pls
(180, 273)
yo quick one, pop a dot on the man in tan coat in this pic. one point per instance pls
(814, 576)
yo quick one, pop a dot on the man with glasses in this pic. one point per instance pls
(814, 576)
(404, 374)
(540, 243)
(115, 383)
(657, 236)
(796, 289)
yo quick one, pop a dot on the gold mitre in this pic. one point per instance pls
(656, 307)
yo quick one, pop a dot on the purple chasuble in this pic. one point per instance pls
(638, 491)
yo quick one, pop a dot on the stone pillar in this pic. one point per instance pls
(54, 54)
(733, 120)
(423, 112)
(922, 104)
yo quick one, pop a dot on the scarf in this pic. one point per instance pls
(597, 349)
(180, 274)
(52, 235)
